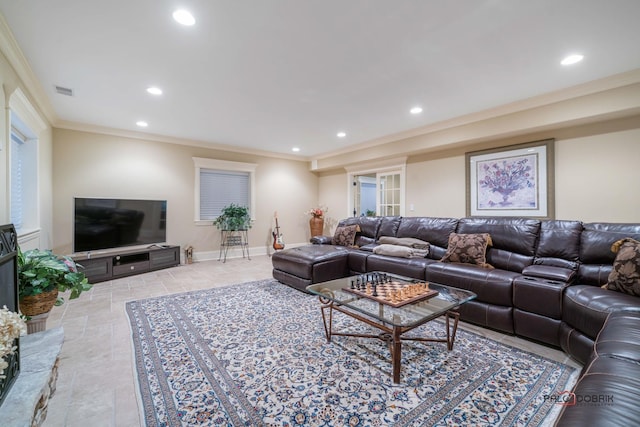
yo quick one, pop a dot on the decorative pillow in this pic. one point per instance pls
(345, 235)
(468, 249)
(625, 276)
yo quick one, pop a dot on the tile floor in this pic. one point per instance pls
(96, 375)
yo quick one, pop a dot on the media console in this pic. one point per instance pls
(113, 265)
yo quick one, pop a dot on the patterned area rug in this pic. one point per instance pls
(255, 355)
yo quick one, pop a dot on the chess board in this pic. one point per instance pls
(394, 293)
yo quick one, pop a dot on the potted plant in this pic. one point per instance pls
(233, 217)
(41, 275)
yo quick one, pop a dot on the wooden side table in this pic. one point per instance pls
(231, 238)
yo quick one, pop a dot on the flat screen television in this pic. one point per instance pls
(115, 223)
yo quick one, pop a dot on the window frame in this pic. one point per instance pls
(391, 166)
(27, 123)
(223, 166)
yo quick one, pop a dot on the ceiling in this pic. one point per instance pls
(273, 75)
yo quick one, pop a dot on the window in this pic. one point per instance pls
(17, 164)
(23, 184)
(220, 183)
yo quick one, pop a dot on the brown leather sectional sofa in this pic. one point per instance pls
(545, 286)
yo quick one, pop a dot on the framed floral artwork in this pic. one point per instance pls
(517, 180)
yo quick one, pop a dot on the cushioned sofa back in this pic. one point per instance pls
(369, 227)
(559, 244)
(433, 230)
(514, 240)
(596, 258)
(389, 226)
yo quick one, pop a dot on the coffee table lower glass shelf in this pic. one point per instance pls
(386, 309)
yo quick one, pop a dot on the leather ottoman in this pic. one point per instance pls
(306, 265)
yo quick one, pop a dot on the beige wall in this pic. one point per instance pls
(597, 177)
(596, 164)
(96, 165)
(596, 174)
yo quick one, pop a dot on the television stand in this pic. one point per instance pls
(127, 262)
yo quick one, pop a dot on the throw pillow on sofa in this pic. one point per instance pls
(345, 235)
(625, 275)
(468, 249)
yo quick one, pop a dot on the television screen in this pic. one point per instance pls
(115, 223)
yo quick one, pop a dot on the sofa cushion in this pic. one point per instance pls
(433, 230)
(606, 395)
(492, 286)
(345, 235)
(368, 225)
(596, 258)
(620, 337)
(389, 226)
(559, 244)
(468, 249)
(586, 307)
(408, 267)
(517, 235)
(625, 275)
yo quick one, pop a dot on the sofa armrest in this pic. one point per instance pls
(321, 240)
(550, 273)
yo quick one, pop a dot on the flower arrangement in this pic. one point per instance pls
(317, 212)
(11, 327)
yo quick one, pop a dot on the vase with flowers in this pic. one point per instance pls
(11, 327)
(316, 223)
(41, 276)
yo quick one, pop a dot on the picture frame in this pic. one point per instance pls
(516, 180)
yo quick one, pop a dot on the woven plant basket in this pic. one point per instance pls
(33, 305)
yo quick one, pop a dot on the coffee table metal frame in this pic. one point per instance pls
(393, 322)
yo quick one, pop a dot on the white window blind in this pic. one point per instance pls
(17, 188)
(219, 188)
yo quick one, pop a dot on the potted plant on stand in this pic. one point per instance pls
(41, 276)
(233, 218)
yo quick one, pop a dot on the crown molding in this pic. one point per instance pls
(83, 127)
(593, 87)
(31, 85)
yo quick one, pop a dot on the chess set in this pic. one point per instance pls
(384, 289)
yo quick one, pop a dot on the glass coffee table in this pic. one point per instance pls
(393, 304)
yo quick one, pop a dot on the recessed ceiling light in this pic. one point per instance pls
(154, 90)
(416, 110)
(572, 59)
(341, 134)
(295, 149)
(142, 124)
(184, 17)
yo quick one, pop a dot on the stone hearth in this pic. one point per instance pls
(27, 401)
